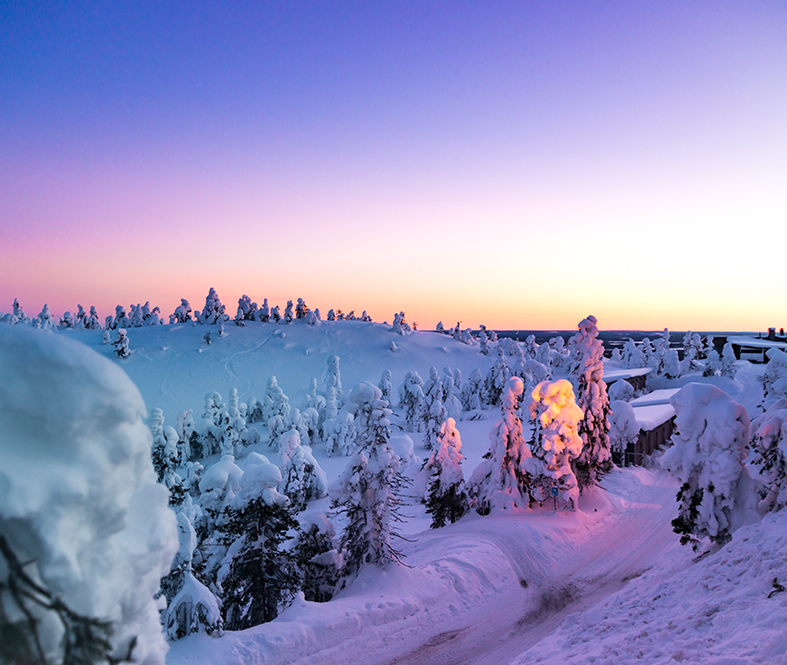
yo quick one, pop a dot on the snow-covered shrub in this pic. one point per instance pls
(623, 426)
(288, 315)
(338, 434)
(495, 380)
(121, 344)
(67, 321)
(446, 499)
(78, 488)
(400, 326)
(182, 312)
(411, 399)
(501, 481)
(591, 396)
(556, 440)
(258, 577)
(367, 494)
(385, 386)
(706, 456)
(621, 390)
(769, 455)
(45, 319)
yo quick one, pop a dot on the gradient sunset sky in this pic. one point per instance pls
(518, 164)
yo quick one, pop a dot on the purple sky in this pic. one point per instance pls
(516, 164)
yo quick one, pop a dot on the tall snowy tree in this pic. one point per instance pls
(259, 576)
(213, 311)
(302, 478)
(367, 494)
(556, 439)
(411, 399)
(769, 456)
(591, 395)
(446, 498)
(318, 560)
(708, 448)
(385, 386)
(502, 481)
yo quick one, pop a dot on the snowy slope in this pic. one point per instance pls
(607, 584)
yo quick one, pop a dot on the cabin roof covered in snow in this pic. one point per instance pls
(651, 416)
(755, 343)
(615, 373)
(656, 397)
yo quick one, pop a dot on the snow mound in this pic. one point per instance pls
(78, 493)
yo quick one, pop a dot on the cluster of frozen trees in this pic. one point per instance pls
(698, 354)
(467, 336)
(213, 313)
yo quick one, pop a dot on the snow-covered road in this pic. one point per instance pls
(558, 577)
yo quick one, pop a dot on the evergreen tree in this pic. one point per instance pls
(288, 316)
(446, 499)
(318, 560)
(122, 349)
(367, 494)
(556, 440)
(472, 391)
(301, 309)
(591, 396)
(502, 481)
(385, 386)
(214, 311)
(496, 379)
(259, 575)
(769, 445)
(182, 312)
(302, 478)
(411, 399)
(728, 359)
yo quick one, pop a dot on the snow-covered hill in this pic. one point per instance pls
(608, 583)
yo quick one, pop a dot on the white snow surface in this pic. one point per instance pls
(608, 583)
(78, 493)
(651, 416)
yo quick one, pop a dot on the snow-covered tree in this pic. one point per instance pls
(191, 606)
(275, 402)
(338, 433)
(473, 390)
(331, 315)
(121, 319)
(556, 440)
(728, 359)
(400, 326)
(182, 312)
(441, 328)
(621, 390)
(706, 456)
(332, 377)
(45, 319)
(774, 379)
(259, 576)
(367, 494)
(316, 555)
(213, 311)
(121, 344)
(501, 481)
(385, 386)
(712, 363)
(451, 402)
(411, 399)
(92, 322)
(484, 338)
(434, 414)
(19, 312)
(591, 396)
(446, 499)
(303, 479)
(67, 321)
(301, 309)
(769, 455)
(623, 426)
(496, 379)
(288, 315)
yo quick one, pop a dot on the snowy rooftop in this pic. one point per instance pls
(656, 397)
(757, 343)
(651, 416)
(615, 373)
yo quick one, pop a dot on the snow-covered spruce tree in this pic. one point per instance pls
(712, 363)
(331, 315)
(92, 322)
(213, 311)
(121, 319)
(769, 450)
(317, 558)
(706, 456)
(301, 309)
(332, 376)
(264, 312)
(191, 606)
(165, 456)
(496, 379)
(774, 378)
(303, 479)
(441, 328)
(19, 312)
(259, 576)
(385, 386)
(298, 423)
(182, 312)
(587, 353)
(728, 359)
(137, 319)
(411, 399)
(484, 338)
(367, 494)
(623, 426)
(338, 433)
(472, 391)
(288, 315)
(692, 349)
(121, 344)
(556, 440)
(67, 321)
(446, 498)
(400, 326)
(501, 481)
(313, 400)
(45, 320)
(452, 404)
(189, 445)
(434, 414)
(109, 323)
(361, 404)
(275, 402)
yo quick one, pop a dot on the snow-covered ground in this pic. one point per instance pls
(608, 583)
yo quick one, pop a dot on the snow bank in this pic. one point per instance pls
(78, 494)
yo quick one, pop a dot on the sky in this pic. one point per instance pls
(514, 164)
